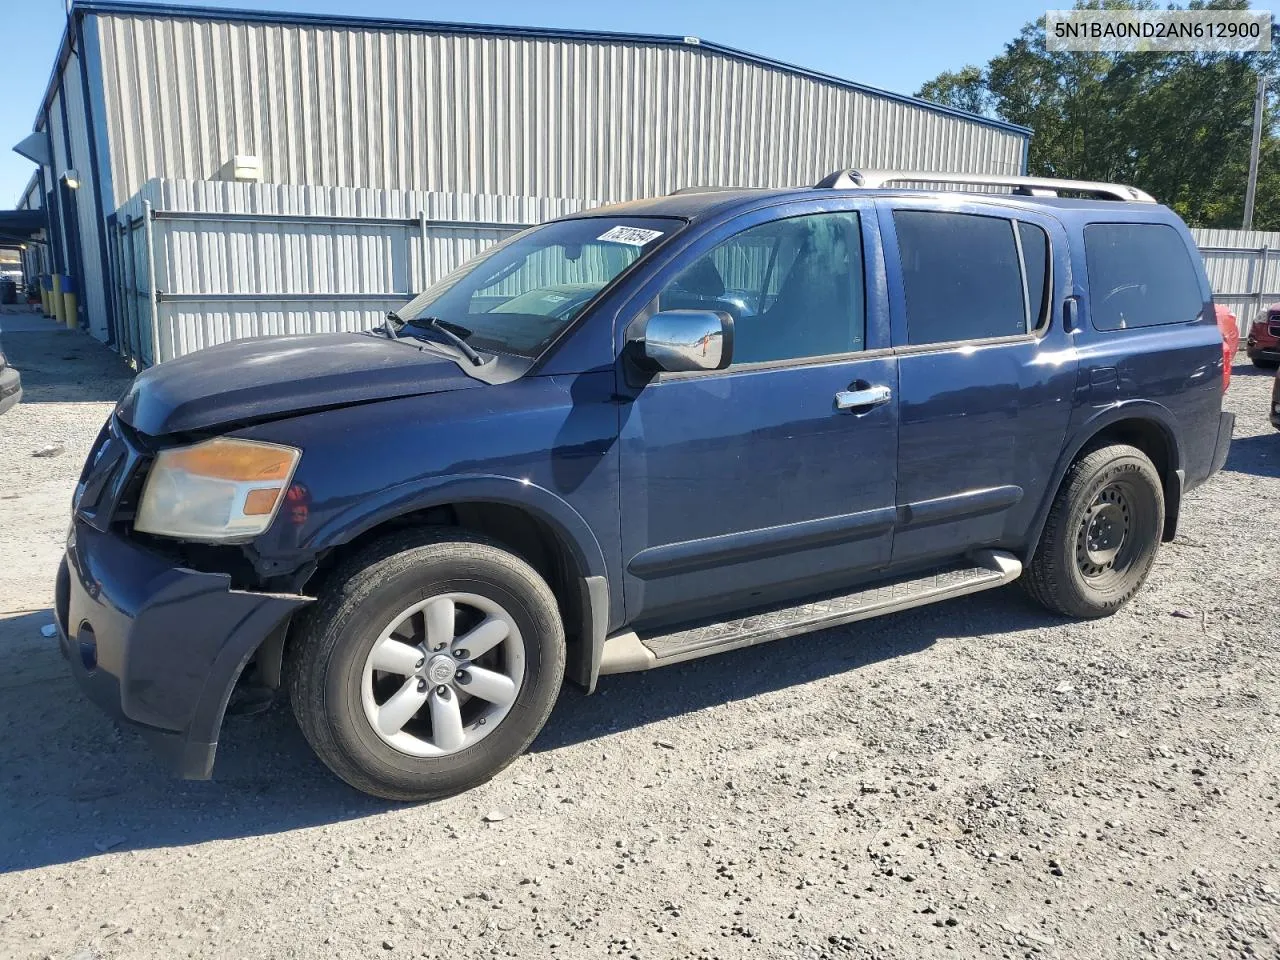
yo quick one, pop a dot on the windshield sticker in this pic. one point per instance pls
(633, 236)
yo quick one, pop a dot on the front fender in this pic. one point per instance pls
(1083, 432)
(369, 512)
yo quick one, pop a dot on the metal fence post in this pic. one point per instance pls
(426, 256)
(148, 217)
(1262, 283)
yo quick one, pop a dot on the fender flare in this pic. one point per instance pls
(594, 589)
(373, 511)
(1081, 437)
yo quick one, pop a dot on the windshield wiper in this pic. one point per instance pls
(450, 332)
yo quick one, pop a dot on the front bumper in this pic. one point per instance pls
(157, 646)
(1268, 352)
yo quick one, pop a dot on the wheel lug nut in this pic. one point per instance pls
(462, 676)
(422, 685)
(461, 655)
(418, 665)
(443, 692)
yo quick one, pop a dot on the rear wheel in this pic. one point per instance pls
(1101, 538)
(428, 666)
(1262, 364)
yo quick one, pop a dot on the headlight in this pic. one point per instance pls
(220, 489)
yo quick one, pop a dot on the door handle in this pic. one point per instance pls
(865, 398)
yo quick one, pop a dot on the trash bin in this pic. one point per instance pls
(70, 309)
(8, 290)
(46, 288)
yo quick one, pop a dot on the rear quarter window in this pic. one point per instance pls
(1140, 275)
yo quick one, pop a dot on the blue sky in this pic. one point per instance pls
(896, 46)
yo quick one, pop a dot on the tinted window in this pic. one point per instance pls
(961, 276)
(1140, 275)
(1035, 258)
(793, 287)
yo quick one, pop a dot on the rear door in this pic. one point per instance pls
(986, 371)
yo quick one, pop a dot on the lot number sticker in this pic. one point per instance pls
(634, 236)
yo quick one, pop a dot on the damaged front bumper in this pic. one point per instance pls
(157, 646)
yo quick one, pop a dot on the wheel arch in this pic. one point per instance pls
(1142, 424)
(532, 522)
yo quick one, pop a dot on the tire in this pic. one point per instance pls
(1262, 364)
(341, 696)
(1108, 491)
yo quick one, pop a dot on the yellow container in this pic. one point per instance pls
(69, 309)
(58, 306)
(44, 300)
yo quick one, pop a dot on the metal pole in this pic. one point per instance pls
(151, 282)
(426, 257)
(1262, 280)
(1258, 103)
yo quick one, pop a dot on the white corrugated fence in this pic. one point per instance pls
(1243, 268)
(202, 262)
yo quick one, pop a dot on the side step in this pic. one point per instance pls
(628, 652)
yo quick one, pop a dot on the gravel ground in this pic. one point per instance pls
(973, 779)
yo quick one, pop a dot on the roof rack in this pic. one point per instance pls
(850, 178)
(704, 189)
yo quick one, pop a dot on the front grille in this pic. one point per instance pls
(112, 463)
(1274, 329)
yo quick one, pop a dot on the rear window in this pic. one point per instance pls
(961, 276)
(1140, 275)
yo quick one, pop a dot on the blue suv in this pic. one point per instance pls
(646, 433)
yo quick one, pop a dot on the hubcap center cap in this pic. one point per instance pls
(440, 670)
(1105, 534)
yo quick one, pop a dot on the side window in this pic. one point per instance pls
(961, 276)
(794, 288)
(1140, 275)
(1036, 262)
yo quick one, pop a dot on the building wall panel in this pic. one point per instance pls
(499, 115)
(91, 285)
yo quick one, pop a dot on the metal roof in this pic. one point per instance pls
(169, 10)
(20, 226)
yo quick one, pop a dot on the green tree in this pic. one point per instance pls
(1176, 125)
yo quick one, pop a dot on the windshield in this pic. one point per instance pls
(518, 296)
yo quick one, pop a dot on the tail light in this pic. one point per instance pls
(1230, 328)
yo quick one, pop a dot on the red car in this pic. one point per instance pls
(1263, 345)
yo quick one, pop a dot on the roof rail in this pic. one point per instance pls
(707, 189)
(850, 178)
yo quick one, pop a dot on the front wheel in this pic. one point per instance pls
(429, 665)
(1101, 538)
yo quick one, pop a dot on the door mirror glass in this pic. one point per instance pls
(682, 340)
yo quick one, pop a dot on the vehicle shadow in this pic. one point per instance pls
(637, 699)
(1258, 455)
(1246, 368)
(74, 785)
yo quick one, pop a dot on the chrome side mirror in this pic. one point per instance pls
(682, 340)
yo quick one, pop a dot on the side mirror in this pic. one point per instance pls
(681, 340)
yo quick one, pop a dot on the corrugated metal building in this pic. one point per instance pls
(144, 92)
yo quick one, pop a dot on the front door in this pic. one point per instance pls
(765, 481)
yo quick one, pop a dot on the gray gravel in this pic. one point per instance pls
(976, 778)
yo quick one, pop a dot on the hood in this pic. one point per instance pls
(273, 376)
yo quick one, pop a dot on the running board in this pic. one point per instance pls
(629, 652)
